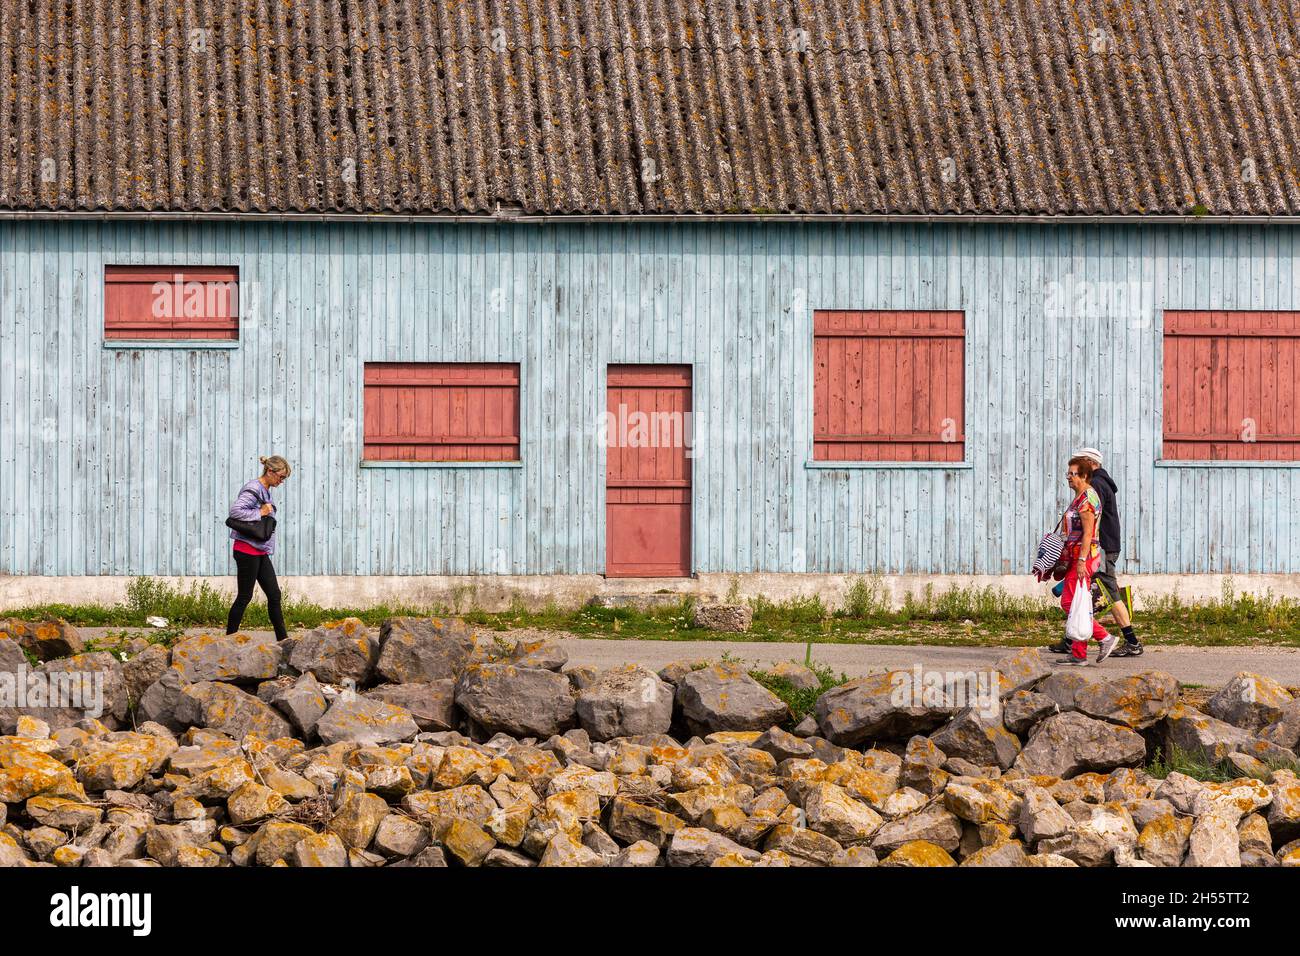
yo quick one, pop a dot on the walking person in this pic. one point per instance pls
(252, 557)
(1082, 551)
(1110, 540)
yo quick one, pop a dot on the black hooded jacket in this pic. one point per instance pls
(1109, 536)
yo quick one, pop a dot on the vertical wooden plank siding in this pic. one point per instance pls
(122, 460)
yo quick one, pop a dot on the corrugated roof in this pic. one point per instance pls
(1030, 107)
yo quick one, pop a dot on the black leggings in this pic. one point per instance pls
(256, 569)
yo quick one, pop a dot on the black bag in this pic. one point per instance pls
(259, 530)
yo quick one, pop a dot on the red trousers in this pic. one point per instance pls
(1072, 580)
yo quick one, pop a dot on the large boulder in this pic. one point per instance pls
(144, 668)
(981, 739)
(45, 640)
(417, 650)
(1138, 701)
(337, 652)
(520, 701)
(360, 720)
(67, 690)
(120, 761)
(432, 704)
(1250, 701)
(161, 699)
(1021, 670)
(12, 658)
(1198, 734)
(237, 658)
(302, 701)
(225, 708)
(724, 697)
(1072, 743)
(895, 705)
(1024, 708)
(934, 824)
(625, 702)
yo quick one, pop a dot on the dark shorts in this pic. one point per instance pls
(1105, 575)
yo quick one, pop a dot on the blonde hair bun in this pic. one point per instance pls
(276, 464)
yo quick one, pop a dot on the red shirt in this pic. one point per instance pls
(243, 548)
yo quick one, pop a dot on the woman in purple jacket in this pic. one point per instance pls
(253, 558)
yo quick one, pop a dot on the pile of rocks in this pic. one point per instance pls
(430, 744)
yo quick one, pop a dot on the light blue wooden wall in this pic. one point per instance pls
(123, 461)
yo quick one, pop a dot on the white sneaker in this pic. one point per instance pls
(1106, 647)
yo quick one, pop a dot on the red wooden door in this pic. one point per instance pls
(648, 472)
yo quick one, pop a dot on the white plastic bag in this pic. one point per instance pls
(1078, 626)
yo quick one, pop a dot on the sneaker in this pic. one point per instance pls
(1060, 647)
(1106, 648)
(1128, 650)
(1072, 661)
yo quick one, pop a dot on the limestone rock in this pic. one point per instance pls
(238, 658)
(803, 847)
(981, 739)
(546, 654)
(337, 652)
(225, 708)
(144, 668)
(1062, 686)
(1024, 708)
(798, 676)
(1041, 817)
(696, 846)
(625, 702)
(521, 701)
(1284, 809)
(303, 702)
(161, 700)
(934, 824)
(723, 617)
(360, 720)
(1022, 669)
(45, 640)
(725, 697)
(831, 811)
(320, 850)
(1138, 701)
(1069, 743)
(892, 705)
(1193, 732)
(1250, 701)
(919, 853)
(630, 822)
(1163, 841)
(422, 650)
(432, 704)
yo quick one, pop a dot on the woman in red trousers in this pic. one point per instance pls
(1079, 526)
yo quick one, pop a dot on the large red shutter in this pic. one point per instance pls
(888, 386)
(444, 411)
(162, 302)
(1230, 384)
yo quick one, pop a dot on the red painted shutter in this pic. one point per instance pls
(441, 411)
(1230, 386)
(162, 302)
(889, 386)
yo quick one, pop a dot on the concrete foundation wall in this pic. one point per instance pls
(500, 592)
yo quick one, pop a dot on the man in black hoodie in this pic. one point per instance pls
(1110, 540)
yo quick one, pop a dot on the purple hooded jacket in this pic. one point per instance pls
(248, 507)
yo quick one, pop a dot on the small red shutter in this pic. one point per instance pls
(1230, 384)
(445, 411)
(888, 386)
(163, 302)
